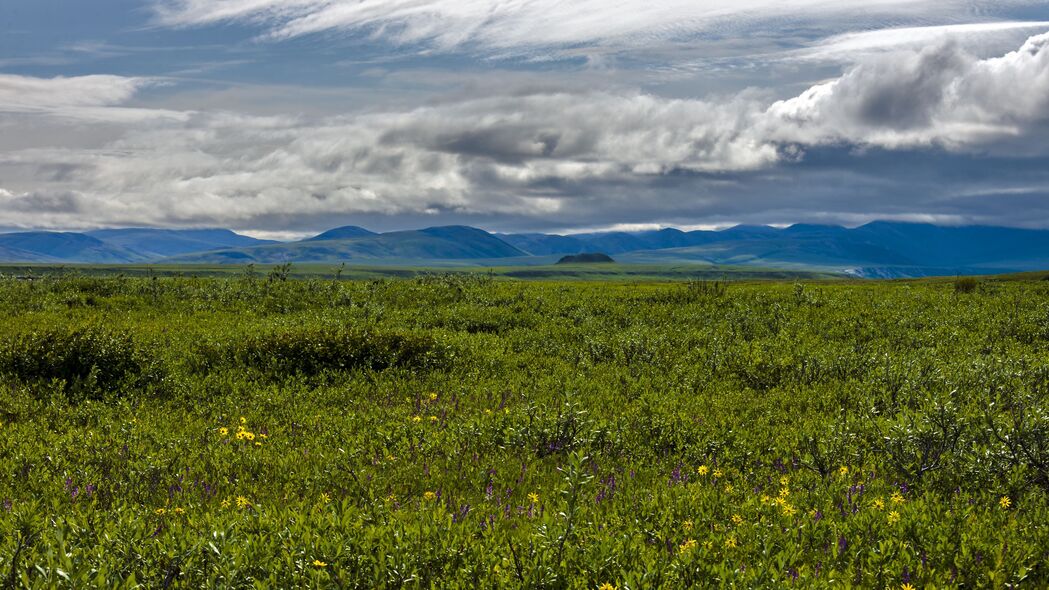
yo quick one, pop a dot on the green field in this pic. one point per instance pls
(465, 431)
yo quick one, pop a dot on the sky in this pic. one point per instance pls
(281, 118)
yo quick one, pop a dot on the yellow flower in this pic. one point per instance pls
(178, 510)
(729, 488)
(223, 431)
(687, 525)
(897, 497)
(243, 420)
(730, 542)
(702, 470)
(784, 481)
(391, 498)
(533, 498)
(319, 563)
(245, 435)
(417, 419)
(225, 503)
(765, 499)
(258, 444)
(737, 519)
(783, 493)
(325, 498)
(907, 587)
(1005, 502)
(718, 473)
(160, 512)
(264, 435)
(606, 586)
(433, 397)
(242, 502)
(429, 496)
(894, 517)
(687, 546)
(879, 504)
(788, 510)
(487, 412)
(433, 418)
(843, 471)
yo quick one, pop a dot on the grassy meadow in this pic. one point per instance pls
(467, 431)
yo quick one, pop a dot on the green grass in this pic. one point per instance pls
(459, 431)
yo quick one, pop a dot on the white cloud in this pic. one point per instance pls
(517, 155)
(522, 25)
(89, 98)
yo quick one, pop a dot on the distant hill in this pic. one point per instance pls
(161, 243)
(878, 249)
(586, 258)
(342, 233)
(435, 243)
(42, 246)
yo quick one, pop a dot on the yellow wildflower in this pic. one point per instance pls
(718, 472)
(879, 504)
(319, 563)
(242, 502)
(907, 587)
(737, 519)
(429, 496)
(897, 497)
(784, 481)
(783, 493)
(258, 444)
(765, 499)
(417, 419)
(225, 503)
(788, 510)
(179, 510)
(433, 418)
(160, 512)
(687, 525)
(894, 517)
(325, 498)
(687, 546)
(533, 498)
(606, 586)
(1005, 502)
(730, 542)
(702, 470)
(729, 488)
(433, 397)
(843, 471)
(243, 420)
(223, 431)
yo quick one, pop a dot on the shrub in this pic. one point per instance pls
(311, 352)
(91, 361)
(966, 285)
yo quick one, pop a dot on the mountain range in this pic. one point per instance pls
(878, 249)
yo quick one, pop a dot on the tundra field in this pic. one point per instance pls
(465, 431)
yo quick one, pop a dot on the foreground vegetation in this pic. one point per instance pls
(461, 431)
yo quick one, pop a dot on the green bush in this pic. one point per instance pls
(92, 362)
(314, 351)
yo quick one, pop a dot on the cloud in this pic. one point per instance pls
(526, 25)
(90, 98)
(576, 157)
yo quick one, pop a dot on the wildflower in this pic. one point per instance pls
(225, 503)
(487, 412)
(223, 431)
(687, 546)
(783, 493)
(319, 563)
(242, 502)
(325, 498)
(907, 587)
(179, 510)
(433, 418)
(264, 435)
(737, 519)
(533, 498)
(606, 586)
(718, 473)
(843, 471)
(433, 397)
(687, 525)
(897, 497)
(879, 504)
(765, 499)
(160, 512)
(245, 435)
(702, 470)
(1005, 502)
(243, 420)
(417, 419)
(788, 510)
(391, 498)
(258, 444)
(730, 542)
(784, 481)
(894, 517)
(429, 496)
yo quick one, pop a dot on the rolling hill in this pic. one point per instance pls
(161, 243)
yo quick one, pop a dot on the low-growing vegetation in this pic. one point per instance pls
(468, 432)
